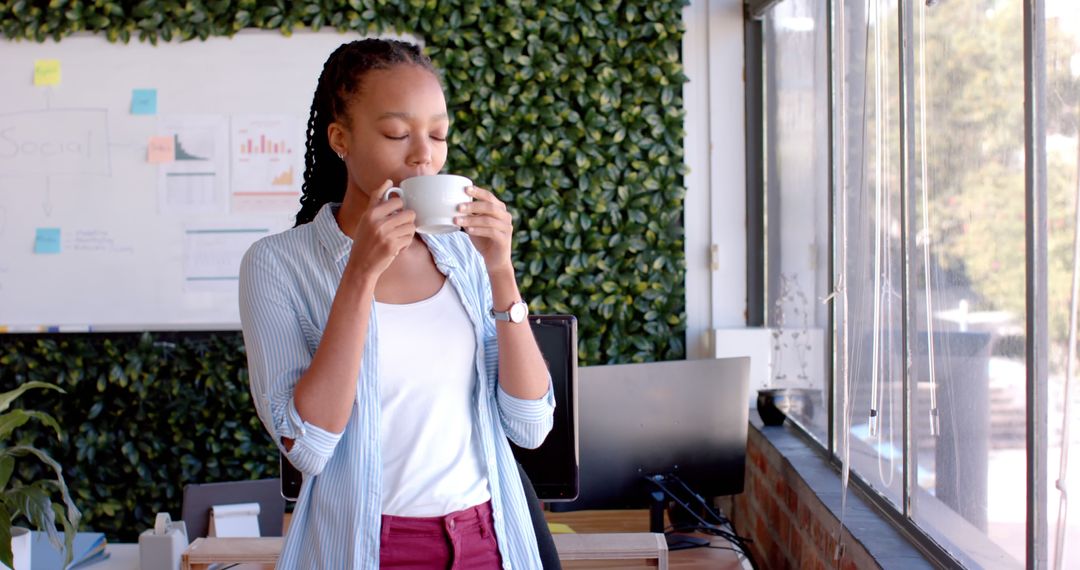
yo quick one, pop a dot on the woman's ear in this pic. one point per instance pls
(338, 137)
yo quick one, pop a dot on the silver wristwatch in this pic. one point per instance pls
(515, 314)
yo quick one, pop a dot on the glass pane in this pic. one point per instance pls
(797, 197)
(968, 276)
(1063, 185)
(869, 249)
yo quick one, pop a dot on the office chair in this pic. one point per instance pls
(549, 557)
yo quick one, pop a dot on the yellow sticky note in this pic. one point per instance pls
(160, 150)
(46, 72)
(560, 528)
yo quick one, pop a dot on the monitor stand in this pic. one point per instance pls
(657, 506)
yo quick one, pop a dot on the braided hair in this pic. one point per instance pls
(325, 175)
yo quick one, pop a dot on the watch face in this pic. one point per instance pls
(518, 312)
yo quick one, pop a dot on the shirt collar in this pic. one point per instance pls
(440, 249)
(329, 233)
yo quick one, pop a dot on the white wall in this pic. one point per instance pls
(715, 208)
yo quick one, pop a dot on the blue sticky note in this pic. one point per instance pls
(144, 102)
(47, 240)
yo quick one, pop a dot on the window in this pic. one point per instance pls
(924, 200)
(796, 82)
(1063, 187)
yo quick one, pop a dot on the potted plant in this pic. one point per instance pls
(31, 500)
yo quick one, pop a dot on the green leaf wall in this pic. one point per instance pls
(571, 111)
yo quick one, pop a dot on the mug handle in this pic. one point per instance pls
(393, 191)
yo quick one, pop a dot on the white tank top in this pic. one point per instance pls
(427, 374)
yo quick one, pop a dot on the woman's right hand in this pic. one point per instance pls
(382, 232)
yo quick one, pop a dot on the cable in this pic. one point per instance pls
(739, 543)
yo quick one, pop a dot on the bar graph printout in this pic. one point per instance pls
(267, 153)
(196, 180)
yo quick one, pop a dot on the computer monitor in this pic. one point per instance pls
(553, 467)
(683, 418)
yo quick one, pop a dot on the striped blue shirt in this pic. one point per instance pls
(287, 284)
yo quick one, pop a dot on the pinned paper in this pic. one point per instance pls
(160, 150)
(239, 520)
(47, 240)
(144, 102)
(46, 72)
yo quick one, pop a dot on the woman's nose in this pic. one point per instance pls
(419, 152)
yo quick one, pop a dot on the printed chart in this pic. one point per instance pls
(265, 162)
(194, 180)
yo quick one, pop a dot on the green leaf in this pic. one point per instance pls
(5, 537)
(71, 510)
(16, 418)
(7, 398)
(7, 465)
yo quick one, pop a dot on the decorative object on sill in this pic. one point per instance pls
(794, 347)
(775, 404)
(791, 341)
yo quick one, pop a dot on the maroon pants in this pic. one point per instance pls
(464, 540)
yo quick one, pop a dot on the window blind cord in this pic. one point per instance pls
(843, 373)
(882, 399)
(879, 212)
(924, 186)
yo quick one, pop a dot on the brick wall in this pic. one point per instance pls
(789, 525)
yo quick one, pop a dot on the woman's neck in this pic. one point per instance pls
(352, 207)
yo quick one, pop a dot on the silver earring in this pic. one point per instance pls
(341, 155)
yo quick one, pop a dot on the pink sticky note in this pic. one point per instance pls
(160, 150)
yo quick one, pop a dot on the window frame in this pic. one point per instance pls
(1036, 252)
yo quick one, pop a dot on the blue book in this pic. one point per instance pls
(88, 548)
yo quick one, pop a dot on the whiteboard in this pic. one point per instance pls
(94, 236)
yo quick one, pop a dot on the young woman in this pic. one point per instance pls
(383, 362)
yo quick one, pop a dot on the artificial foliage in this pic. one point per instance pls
(143, 416)
(570, 111)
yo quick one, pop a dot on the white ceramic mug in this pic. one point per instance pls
(435, 199)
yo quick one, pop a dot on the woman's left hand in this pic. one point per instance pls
(490, 226)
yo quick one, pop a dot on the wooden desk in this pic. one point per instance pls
(203, 552)
(638, 521)
(125, 556)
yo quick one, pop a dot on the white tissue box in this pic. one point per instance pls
(163, 551)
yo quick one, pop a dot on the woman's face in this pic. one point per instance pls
(397, 127)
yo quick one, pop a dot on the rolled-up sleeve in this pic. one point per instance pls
(278, 356)
(526, 422)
